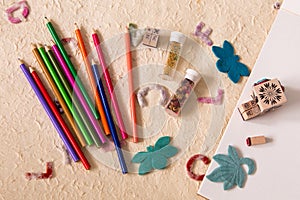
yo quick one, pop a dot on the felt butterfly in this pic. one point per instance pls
(156, 157)
(229, 63)
(230, 170)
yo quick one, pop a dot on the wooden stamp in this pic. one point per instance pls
(151, 37)
(247, 106)
(267, 95)
(256, 140)
(251, 113)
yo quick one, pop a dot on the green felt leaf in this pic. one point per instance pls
(156, 157)
(250, 163)
(223, 159)
(240, 178)
(233, 154)
(228, 185)
(230, 170)
(159, 162)
(140, 157)
(168, 151)
(145, 166)
(162, 142)
(221, 174)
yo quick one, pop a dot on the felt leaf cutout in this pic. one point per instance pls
(161, 142)
(155, 157)
(168, 151)
(146, 166)
(139, 157)
(229, 63)
(230, 170)
(159, 162)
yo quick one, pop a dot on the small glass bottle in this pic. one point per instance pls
(177, 40)
(183, 92)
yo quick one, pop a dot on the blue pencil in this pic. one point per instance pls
(109, 117)
(49, 112)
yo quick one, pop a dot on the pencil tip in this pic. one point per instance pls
(47, 48)
(31, 69)
(76, 26)
(33, 46)
(20, 61)
(93, 62)
(94, 30)
(52, 42)
(39, 45)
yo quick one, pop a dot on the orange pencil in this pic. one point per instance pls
(92, 79)
(130, 86)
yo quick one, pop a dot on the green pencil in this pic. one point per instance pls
(75, 110)
(60, 75)
(72, 69)
(68, 89)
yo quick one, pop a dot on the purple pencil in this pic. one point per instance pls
(49, 112)
(80, 97)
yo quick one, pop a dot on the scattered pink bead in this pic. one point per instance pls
(16, 6)
(190, 164)
(213, 100)
(48, 174)
(204, 36)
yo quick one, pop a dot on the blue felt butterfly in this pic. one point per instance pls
(155, 157)
(229, 63)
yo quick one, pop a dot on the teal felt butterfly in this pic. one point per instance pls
(229, 63)
(230, 170)
(156, 157)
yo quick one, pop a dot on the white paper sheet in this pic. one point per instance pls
(278, 162)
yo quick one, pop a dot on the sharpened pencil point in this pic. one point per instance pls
(31, 69)
(76, 26)
(21, 61)
(94, 31)
(52, 42)
(93, 62)
(33, 46)
(39, 45)
(47, 48)
(47, 19)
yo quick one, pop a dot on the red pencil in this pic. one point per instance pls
(130, 86)
(59, 119)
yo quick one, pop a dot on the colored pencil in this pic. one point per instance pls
(59, 118)
(130, 86)
(40, 52)
(59, 97)
(61, 80)
(48, 111)
(92, 80)
(71, 68)
(109, 85)
(109, 117)
(79, 95)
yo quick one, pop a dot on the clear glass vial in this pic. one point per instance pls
(183, 92)
(177, 40)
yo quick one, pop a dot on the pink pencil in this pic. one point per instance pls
(78, 93)
(109, 85)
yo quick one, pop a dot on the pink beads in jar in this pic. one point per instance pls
(183, 92)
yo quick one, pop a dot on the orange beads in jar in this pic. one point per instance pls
(177, 40)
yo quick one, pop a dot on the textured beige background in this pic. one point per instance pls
(28, 137)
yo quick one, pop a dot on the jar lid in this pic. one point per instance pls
(192, 75)
(177, 37)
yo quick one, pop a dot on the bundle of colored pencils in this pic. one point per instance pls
(78, 107)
